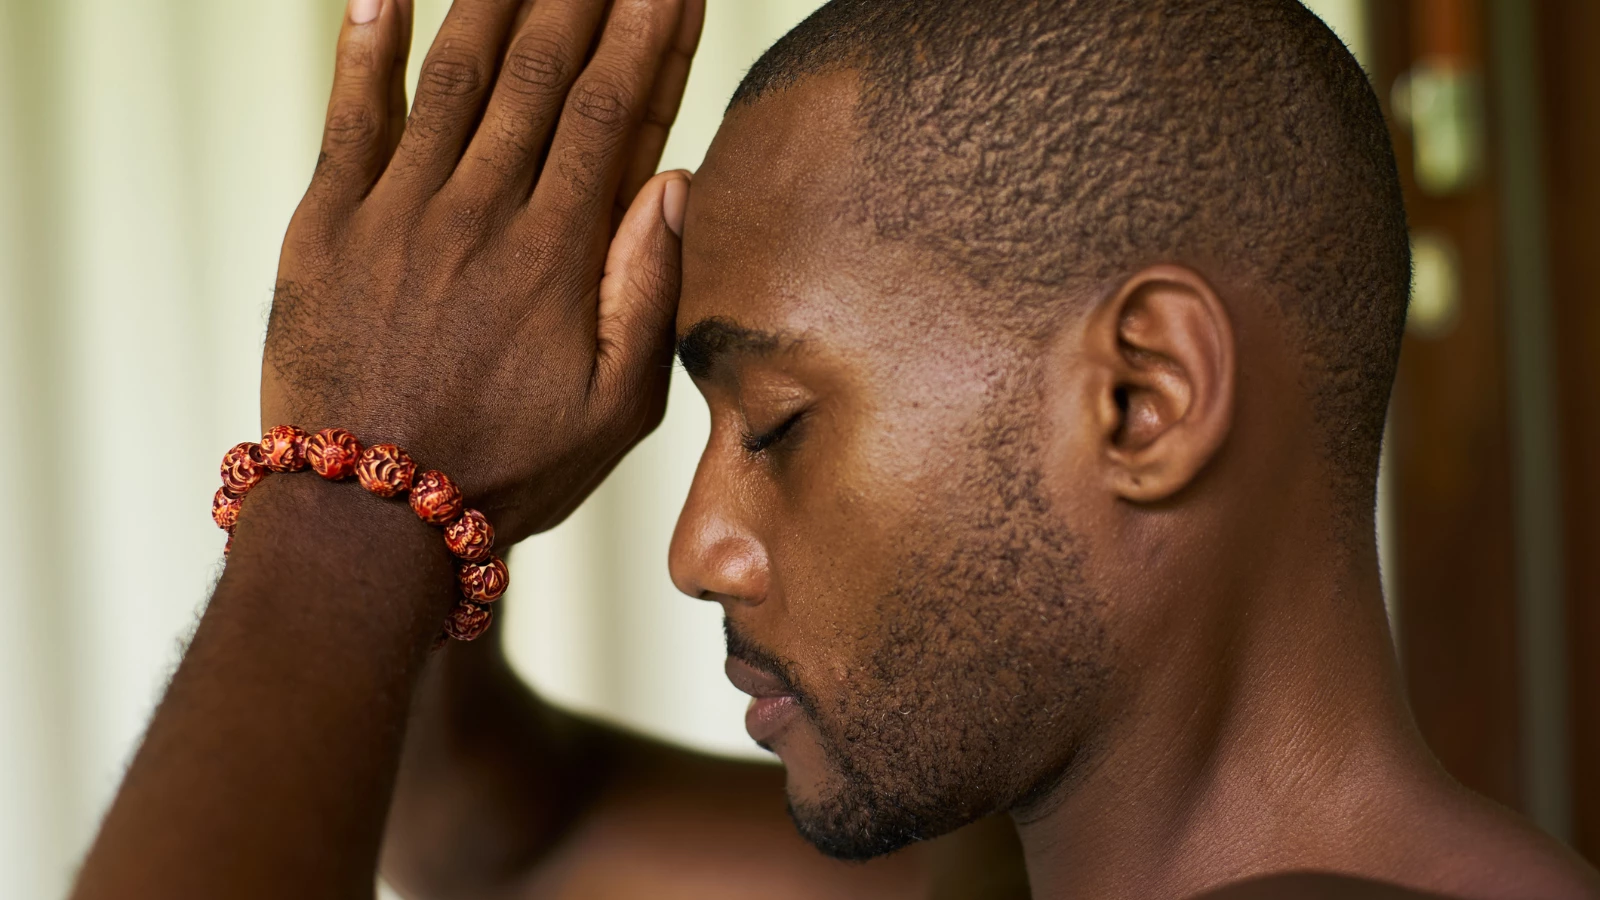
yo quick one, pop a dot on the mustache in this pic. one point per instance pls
(740, 647)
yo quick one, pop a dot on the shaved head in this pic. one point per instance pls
(1026, 328)
(1046, 149)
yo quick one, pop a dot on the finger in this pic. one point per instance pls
(353, 146)
(398, 108)
(639, 294)
(664, 104)
(542, 60)
(602, 113)
(524, 9)
(451, 87)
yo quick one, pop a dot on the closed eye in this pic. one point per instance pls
(757, 443)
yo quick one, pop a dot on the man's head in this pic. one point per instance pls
(1014, 318)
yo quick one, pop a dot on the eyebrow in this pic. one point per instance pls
(711, 341)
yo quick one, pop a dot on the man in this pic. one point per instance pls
(1047, 346)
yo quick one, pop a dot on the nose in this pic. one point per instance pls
(715, 555)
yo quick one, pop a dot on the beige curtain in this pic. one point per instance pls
(151, 152)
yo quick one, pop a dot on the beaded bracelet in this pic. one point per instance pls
(387, 471)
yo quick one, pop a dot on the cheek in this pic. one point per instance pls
(842, 551)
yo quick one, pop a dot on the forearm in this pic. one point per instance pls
(268, 767)
(491, 777)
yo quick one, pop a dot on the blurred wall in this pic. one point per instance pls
(151, 152)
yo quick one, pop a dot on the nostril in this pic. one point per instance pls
(730, 570)
(725, 599)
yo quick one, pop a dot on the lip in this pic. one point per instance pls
(771, 707)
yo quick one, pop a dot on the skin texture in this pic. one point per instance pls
(1192, 684)
(1223, 701)
(918, 582)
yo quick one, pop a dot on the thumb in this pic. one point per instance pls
(639, 293)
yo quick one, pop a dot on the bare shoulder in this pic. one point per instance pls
(1435, 844)
(1487, 852)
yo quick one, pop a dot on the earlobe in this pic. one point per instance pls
(1165, 342)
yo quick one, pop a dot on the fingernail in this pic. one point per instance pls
(364, 11)
(674, 202)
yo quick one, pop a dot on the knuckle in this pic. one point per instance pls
(450, 75)
(349, 125)
(534, 66)
(601, 102)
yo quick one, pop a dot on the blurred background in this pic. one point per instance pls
(151, 152)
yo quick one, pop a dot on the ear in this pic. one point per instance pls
(1163, 398)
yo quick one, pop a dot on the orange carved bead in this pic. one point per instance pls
(225, 509)
(243, 467)
(435, 498)
(483, 582)
(332, 453)
(467, 621)
(385, 470)
(470, 537)
(283, 447)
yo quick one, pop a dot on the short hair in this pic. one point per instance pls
(1053, 147)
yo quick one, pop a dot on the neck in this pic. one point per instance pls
(1269, 761)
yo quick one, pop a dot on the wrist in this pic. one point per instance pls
(385, 470)
(335, 553)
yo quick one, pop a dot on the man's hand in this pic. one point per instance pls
(441, 283)
(445, 285)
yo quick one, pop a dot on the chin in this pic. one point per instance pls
(833, 815)
(859, 809)
(841, 830)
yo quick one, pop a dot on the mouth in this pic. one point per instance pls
(772, 705)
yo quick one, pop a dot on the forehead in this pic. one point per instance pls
(790, 153)
(772, 237)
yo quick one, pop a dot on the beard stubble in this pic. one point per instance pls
(985, 667)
